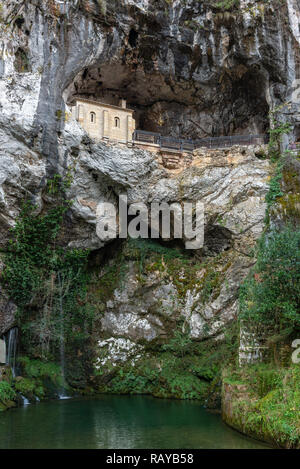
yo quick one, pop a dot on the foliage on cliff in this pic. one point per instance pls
(7, 395)
(47, 281)
(263, 400)
(177, 367)
(265, 403)
(271, 294)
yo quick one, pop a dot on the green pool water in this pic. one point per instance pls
(117, 422)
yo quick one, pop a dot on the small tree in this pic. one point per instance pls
(277, 130)
(270, 296)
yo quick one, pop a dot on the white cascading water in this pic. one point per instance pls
(62, 395)
(25, 400)
(11, 339)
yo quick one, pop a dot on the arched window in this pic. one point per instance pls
(117, 122)
(93, 117)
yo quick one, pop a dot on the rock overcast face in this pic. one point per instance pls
(232, 185)
(178, 65)
(187, 69)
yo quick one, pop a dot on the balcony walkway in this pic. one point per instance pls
(184, 145)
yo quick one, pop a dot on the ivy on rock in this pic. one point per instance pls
(48, 281)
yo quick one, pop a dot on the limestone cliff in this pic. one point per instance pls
(188, 69)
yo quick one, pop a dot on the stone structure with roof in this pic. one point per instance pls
(105, 121)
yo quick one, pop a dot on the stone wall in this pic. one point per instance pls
(105, 121)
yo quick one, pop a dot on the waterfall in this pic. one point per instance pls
(62, 338)
(25, 400)
(11, 339)
(62, 394)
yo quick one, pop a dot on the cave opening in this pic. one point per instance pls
(133, 37)
(19, 22)
(217, 239)
(235, 105)
(250, 106)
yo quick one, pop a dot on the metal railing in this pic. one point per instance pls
(146, 137)
(179, 144)
(223, 142)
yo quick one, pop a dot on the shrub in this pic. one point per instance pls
(227, 4)
(272, 413)
(270, 295)
(38, 369)
(7, 393)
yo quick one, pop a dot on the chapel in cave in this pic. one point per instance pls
(105, 121)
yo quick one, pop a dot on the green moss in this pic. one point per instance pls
(102, 6)
(269, 296)
(6, 374)
(181, 368)
(227, 5)
(7, 394)
(149, 256)
(275, 185)
(175, 366)
(39, 379)
(271, 404)
(47, 281)
(30, 388)
(185, 272)
(291, 179)
(37, 369)
(277, 130)
(161, 376)
(34, 382)
(102, 285)
(289, 207)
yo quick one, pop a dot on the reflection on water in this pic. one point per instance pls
(118, 422)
